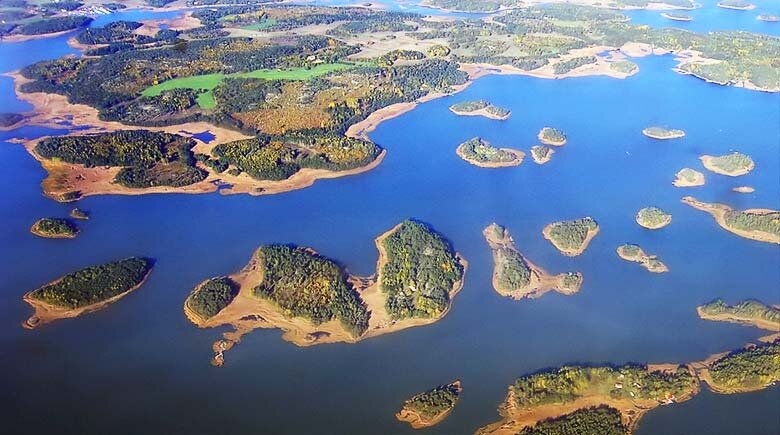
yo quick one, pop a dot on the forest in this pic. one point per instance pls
(744, 310)
(210, 297)
(571, 235)
(599, 420)
(744, 221)
(479, 150)
(54, 228)
(432, 403)
(94, 284)
(748, 369)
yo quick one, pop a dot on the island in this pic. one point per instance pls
(54, 228)
(768, 18)
(571, 237)
(662, 133)
(762, 225)
(313, 300)
(552, 136)
(480, 152)
(79, 214)
(480, 108)
(676, 16)
(86, 290)
(733, 165)
(516, 277)
(10, 120)
(653, 218)
(744, 189)
(541, 154)
(748, 312)
(635, 253)
(736, 5)
(431, 407)
(688, 177)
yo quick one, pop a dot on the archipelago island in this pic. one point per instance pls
(749, 312)
(54, 228)
(636, 254)
(480, 152)
(662, 133)
(86, 290)
(480, 108)
(552, 136)
(733, 165)
(571, 237)
(430, 407)
(758, 224)
(541, 154)
(688, 177)
(516, 277)
(653, 218)
(314, 300)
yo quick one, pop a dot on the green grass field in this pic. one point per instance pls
(207, 82)
(262, 25)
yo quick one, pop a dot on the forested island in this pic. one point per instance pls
(516, 277)
(571, 237)
(676, 16)
(79, 214)
(662, 133)
(653, 218)
(480, 152)
(552, 136)
(431, 407)
(541, 154)
(635, 253)
(54, 228)
(762, 225)
(768, 18)
(688, 177)
(86, 290)
(314, 300)
(733, 165)
(736, 4)
(480, 108)
(748, 312)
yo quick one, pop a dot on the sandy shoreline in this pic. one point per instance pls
(519, 156)
(707, 161)
(730, 318)
(417, 421)
(698, 179)
(718, 211)
(481, 112)
(643, 259)
(570, 252)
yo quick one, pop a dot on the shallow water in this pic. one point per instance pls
(140, 366)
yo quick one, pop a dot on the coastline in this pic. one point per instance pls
(729, 318)
(570, 252)
(706, 160)
(698, 180)
(481, 112)
(718, 211)
(519, 156)
(643, 259)
(417, 421)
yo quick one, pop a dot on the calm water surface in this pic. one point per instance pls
(141, 367)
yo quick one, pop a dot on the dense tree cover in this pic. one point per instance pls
(473, 106)
(474, 5)
(653, 217)
(765, 222)
(479, 150)
(8, 119)
(175, 106)
(65, 5)
(600, 420)
(147, 158)
(52, 25)
(158, 3)
(419, 273)
(541, 153)
(122, 31)
(570, 235)
(566, 384)
(391, 57)
(570, 64)
(434, 402)
(514, 273)
(55, 227)
(736, 4)
(731, 163)
(745, 310)
(94, 284)
(212, 296)
(751, 368)
(235, 95)
(552, 136)
(689, 175)
(305, 284)
(662, 133)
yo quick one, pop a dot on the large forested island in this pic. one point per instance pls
(758, 224)
(430, 407)
(653, 218)
(54, 228)
(314, 300)
(748, 312)
(571, 237)
(480, 152)
(86, 290)
(516, 277)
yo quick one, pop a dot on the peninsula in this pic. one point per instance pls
(480, 152)
(653, 218)
(314, 300)
(86, 290)
(688, 177)
(662, 133)
(516, 277)
(431, 407)
(762, 225)
(571, 237)
(748, 312)
(480, 108)
(54, 228)
(733, 165)
(635, 253)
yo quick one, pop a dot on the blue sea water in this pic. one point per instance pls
(141, 367)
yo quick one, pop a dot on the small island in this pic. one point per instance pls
(431, 407)
(552, 136)
(635, 253)
(315, 301)
(762, 225)
(733, 165)
(480, 108)
(688, 177)
(516, 277)
(79, 214)
(480, 152)
(662, 133)
(768, 18)
(739, 5)
(571, 237)
(54, 228)
(87, 290)
(744, 189)
(541, 154)
(748, 312)
(653, 218)
(676, 16)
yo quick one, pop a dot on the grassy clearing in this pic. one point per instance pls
(207, 82)
(262, 25)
